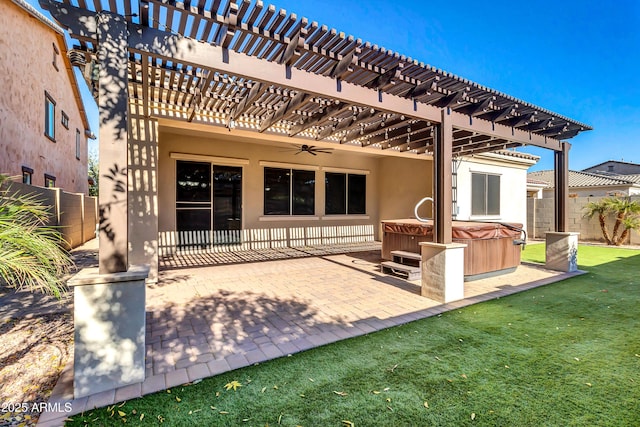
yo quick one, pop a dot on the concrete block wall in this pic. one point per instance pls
(540, 219)
(74, 213)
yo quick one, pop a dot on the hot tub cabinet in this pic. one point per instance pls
(490, 246)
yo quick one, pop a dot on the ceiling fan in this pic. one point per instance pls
(312, 149)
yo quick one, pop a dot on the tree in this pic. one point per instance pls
(94, 174)
(31, 254)
(627, 214)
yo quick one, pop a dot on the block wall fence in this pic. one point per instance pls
(75, 214)
(540, 219)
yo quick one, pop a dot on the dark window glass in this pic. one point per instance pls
(49, 117)
(193, 219)
(485, 194)
(64, 120)
(277, 191)
(193, 182)
(304, 186)
(478, 192)
(493, 195)
(78, 144)
(357, 194)
(227, 197)
(335, 193)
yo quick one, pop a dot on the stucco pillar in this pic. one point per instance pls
(561, 252)
(443, 271)
(112, 107)
(109, 329)
(561, 187)
(143, 191)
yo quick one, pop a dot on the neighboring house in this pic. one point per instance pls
(583, 184)
(43, 124)
(614, 167)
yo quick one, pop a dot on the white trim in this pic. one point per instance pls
(346, 170)
(222, 161)
(288, 165)
(344, 217)
(279, 218)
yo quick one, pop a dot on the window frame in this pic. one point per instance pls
(347, 191)
(49, 116)
(50, 178)
(293, 209)
(487, 210)
(64, 119)
(56, 52)
(78, 140)
(27, 171)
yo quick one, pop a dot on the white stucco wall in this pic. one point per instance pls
(513, 186)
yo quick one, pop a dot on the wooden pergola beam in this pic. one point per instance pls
(176, 48)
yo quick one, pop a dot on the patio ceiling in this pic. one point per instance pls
(241, 64)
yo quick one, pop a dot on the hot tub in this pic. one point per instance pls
(490, 246)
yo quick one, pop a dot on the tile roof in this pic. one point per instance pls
(518, 154)
(583, 179)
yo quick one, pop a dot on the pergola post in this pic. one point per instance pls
(443, 260)
(442, 179)
(112, 106)
(109, 302)
(561, 245)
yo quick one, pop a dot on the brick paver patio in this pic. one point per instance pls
(208, 320)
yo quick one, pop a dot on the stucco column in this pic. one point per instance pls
(112, 107)
(109, 329)
(443, 271)
(143, 191)
(561, 251)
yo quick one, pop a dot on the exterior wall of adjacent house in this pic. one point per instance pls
(605, 191)
(620, 168)
(27, 71)
(540, 219)
(513, 182)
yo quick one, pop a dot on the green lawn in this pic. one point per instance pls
(564, 354)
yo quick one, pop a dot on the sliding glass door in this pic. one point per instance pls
(208, 204)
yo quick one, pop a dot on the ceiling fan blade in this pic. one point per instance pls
(312, 153)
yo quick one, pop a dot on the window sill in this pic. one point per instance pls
(485, 217)
(280, 218)
(344, 217)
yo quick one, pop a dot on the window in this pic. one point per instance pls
(345, 194)
(49, 117)
(289, 192)
(485, 194)
(49, 180)
(64, 120)
(78, 144)
(27, 175)
(56, 52)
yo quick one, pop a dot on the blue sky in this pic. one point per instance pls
(577, 58)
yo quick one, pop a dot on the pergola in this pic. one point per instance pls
(252, 69)
(243, 65)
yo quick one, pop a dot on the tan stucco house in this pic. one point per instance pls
(43, 124)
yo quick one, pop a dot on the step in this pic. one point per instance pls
(407, 255)
(412, 273)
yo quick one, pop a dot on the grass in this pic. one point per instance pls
(565, 354)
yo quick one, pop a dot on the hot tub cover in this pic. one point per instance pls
(461, 230)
